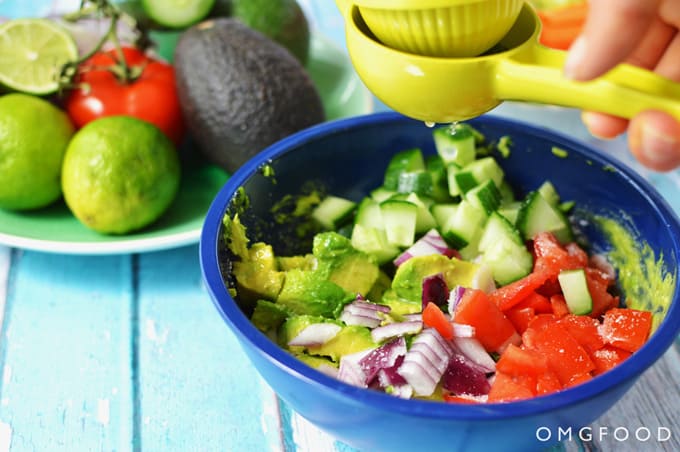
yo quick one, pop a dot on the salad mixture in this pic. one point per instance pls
(442, 284)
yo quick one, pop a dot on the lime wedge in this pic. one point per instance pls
(32, 52)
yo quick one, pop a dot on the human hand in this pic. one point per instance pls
(642, 33)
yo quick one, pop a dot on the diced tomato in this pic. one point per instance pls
(564, 354)
(585, 330)
(537, 324)
(492, 328)
(435, 318)
(551, 257)
(561, 25)
(518, 361)
(506, 388)
(607, 358)
(626, 328)
(597, 286)
(520, 317)
(559, 305)
(510, 295)
(578, 379)
(538, 302)
(547, 383)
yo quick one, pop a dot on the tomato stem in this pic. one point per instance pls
(103, 9)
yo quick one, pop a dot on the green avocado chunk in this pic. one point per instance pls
(268, 316)
(307, 292)
(350, 339)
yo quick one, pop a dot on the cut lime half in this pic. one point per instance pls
(32, 52)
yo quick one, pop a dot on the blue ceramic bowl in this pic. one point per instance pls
(349, 157)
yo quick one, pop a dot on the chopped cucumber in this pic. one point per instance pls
(418, 182)
(368, 214)
(455, 144)
(485, 196)
(381, 194)
(442, 212)
(402, 162)
(574, 286)
(177, 13)
(547, 189)
(399, 218)
(537, 215)
(435, 166)
(464, 226)
(373, 241)
(508, 260)
(498, 228)
(510, 210)
(333, 211)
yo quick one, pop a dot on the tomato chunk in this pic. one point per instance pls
(521, 361)
(492, 328)
(520, 317)
(559, 305)
(435, 318)
(506, 388)
(607, 358)
(585, 330)
(509, 295)
(538, 302)
(564, 354)
(547, 383)
(626, 328)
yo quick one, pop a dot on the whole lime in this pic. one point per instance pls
(33, 139)
(120, 174)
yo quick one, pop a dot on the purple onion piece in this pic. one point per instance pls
(350, 371)
(473, 350)
(431, 243)
(382, 357)
(454, 298)
(462, 377)
(463, 330)
(435, 290)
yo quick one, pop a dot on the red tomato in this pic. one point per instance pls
(151, 96)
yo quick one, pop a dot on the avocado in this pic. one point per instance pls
(258, 275)
(408, 279)
(307, 292)
(240, 91)
(303, 262)
(268, 316)
(351, 269)
(316, 362)
(350, 339)
(400, 306)
(293, 325)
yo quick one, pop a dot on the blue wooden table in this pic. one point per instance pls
(127, 353)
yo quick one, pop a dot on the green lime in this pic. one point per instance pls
(119, 174)
(33, 139)
(177, 13)
(281, 20)
(32, 52)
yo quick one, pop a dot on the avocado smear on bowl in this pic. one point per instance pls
(466, 294)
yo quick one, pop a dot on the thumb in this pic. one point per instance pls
(612, 30)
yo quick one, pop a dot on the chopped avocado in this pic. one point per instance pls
(339, 262)
(400, 306)
(258, 275)
(268, 316)
(234, 235)
(408, 279)
(307, 292)
(304, 262)
(350, 339)
(315, 361)
(240, 91)
(381, 285)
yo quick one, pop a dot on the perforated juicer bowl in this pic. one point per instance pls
(440, 28)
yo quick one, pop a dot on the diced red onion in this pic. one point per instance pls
(425, 361)
(350, 371)
(463, 377)
(415, 317)
(390, 380)
(454, 298)
(472, 349)
(430, 243)
(371, 306)
(363, 313)
(390, 330)
(463, 330)
(315, 334)
(327, 369)
(382, 357)
(359, 320)
(435, 290)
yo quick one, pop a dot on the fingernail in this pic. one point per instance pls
(575, 57)
(658, 147)
(587, 118)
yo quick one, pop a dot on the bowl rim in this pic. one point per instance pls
(625, 373)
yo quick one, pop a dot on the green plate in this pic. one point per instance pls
(55, 229)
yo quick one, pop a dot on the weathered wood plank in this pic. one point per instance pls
(196, 386)
(66, 348)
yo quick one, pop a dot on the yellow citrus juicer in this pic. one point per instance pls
(450, 60)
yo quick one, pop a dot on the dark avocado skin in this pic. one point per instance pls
(240, 91)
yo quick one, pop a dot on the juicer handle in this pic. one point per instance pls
(624, 91)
